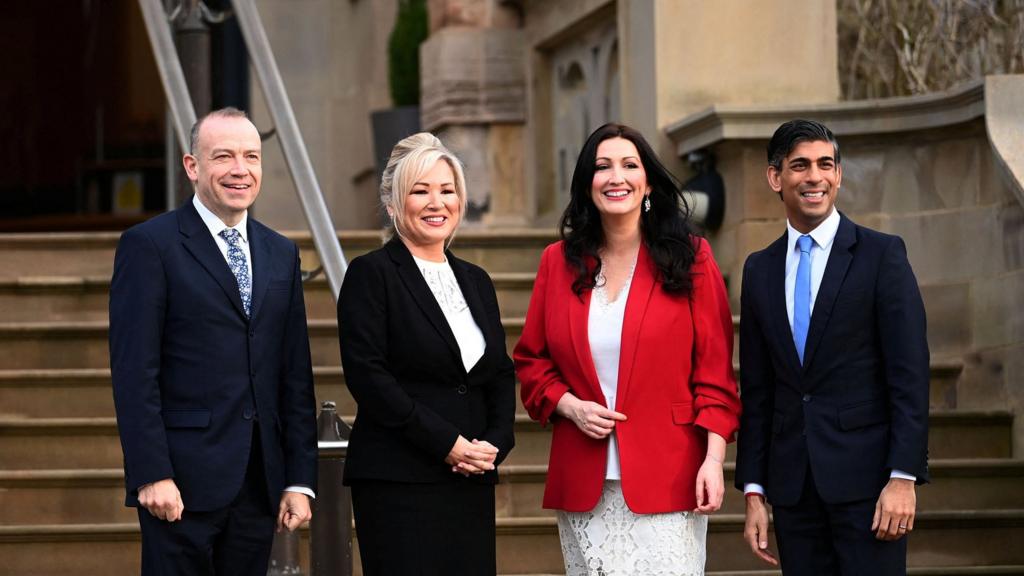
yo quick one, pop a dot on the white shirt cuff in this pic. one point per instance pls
(301, 490)
(902, 475)
(753, 488)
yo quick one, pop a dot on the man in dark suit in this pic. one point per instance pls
(211, 370)
(834, 377)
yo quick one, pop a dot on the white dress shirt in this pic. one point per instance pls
(216, 226)
(823, 237)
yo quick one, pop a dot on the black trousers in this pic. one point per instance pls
(425, 529)
(820, 539)
(234, 541)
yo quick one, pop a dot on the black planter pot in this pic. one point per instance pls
(390, 126)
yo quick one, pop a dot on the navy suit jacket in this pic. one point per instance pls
(191, 375)
(858, 406)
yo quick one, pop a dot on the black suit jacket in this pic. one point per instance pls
(191, 374)
(858, 407)
(404, 369)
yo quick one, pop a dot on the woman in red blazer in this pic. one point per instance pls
(627, 351)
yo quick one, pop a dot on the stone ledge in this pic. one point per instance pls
(879, 116)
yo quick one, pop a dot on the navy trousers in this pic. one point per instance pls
(820, 539)
(232, 541)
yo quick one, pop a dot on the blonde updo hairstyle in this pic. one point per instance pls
(410, 159)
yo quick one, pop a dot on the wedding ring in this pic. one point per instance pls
(902, 527)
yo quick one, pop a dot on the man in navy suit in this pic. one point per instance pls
(834, 377)
(210, 362)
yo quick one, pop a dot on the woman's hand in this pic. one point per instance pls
(591, 418)
(710, 480)
(474, 457)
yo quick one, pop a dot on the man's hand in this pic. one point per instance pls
(894, 512)
(293, 511)
(474, 457)
(162, 499)
(755, 529)
(591, 418)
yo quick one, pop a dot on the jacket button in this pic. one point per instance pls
(462, 389)
(807, 397)
(247, 413)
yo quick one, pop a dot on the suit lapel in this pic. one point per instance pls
(835, 272)
(641, 289)
(417, 286)
(198, 241)
(579, 316)
(472, 295)
(777, 305)
(259, 251)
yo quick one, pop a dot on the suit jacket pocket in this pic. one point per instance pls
(187, 418)
(778, 423)
(682, 413)
(863, 415)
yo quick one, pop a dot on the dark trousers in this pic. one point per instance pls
(235, 540)
(444, 529)
(820, 539)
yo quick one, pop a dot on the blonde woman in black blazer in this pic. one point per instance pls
(424, 356)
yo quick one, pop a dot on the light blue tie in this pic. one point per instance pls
(239, 267)
(802, 296)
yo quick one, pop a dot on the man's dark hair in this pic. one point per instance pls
(664, 229)
(229, 112)
(794, 132)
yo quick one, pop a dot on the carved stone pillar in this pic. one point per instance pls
(473, 96)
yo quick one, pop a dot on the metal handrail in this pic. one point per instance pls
(325, 238)
(169, 67)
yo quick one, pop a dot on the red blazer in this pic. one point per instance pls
(675, 383)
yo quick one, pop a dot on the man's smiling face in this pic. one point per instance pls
(808, 183)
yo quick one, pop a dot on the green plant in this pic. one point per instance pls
(411, 29)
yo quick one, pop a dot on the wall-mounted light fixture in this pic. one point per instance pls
(705, 192)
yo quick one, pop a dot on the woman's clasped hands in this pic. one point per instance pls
(471, 457)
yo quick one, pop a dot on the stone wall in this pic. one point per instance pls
(927, 169)
(333, 60)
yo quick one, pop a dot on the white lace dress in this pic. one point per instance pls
(611, 540)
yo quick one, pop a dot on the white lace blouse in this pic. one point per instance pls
(445, 287)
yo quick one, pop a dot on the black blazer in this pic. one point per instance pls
(404, 369)
(191, 374)
(858, 407)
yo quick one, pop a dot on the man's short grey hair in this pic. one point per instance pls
(228, 112)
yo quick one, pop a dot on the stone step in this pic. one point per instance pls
(92, 254)
(84, 344)
(70, 298)
(956, 484)
(941, 540)
(952, 434)
(61, 443)
(86, 392)
(911, 571)
(96, 496)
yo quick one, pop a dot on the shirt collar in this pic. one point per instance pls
(216, 225)
(823, 234)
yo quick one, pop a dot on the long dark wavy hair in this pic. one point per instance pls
(664, 230)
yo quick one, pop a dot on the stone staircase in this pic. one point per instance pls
(61, 490)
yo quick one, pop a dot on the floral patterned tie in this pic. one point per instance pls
(239, 267)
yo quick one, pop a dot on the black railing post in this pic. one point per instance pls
(331, 528)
